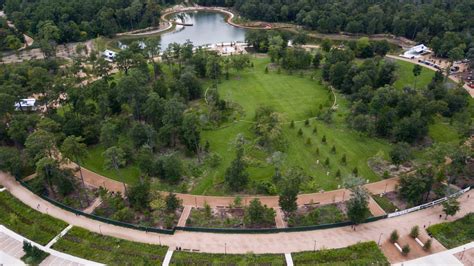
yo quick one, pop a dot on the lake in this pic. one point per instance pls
(208, 28)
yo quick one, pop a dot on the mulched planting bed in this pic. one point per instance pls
(109, 250)
(455, 233)
(220, 218)
(315, 215)
(38, 227)
(189, 258)
(366, 253)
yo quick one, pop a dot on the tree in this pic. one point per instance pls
(139, 195)
(10, 161)
(191, 133)
(275, 48)
(40, 144)
(74, 148)
(450, 207)
(289, 188)
(394, 236)
(236, 175)
(326, 45)
(114, 158)
(416, 72)
(358, 206)
(258, 215)
(400, 153)
(172, 203)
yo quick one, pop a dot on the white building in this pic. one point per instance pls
(416, 51)
(109, 55)
(26, 104)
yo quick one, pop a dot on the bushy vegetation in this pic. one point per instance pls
(327, 214)
(11, 38)
(455, 233)
(113, 251)
(34, 255)
(188, 258)
(65, 21)
(366, 253)
(28, 222)
(384, 203)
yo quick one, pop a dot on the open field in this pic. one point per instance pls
(296, 97)
(28, 222)
(455, 233)
(188, 258)
(366, 253)
(113, 251)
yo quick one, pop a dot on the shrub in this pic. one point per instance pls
(405, 249)
(308, 141)
(355, 171)
(317, 151)
(292, 124)
(214, 159)
(415, 231)
(333, 149)
(266, 70)
(33, 256)
(315, 130)
(323, 140)
(326, 162)
(300, 132)
(344, 159)
(394, 236)
(338, 173)
(306, 122)
(427, 245)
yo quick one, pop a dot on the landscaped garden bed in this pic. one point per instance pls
(385, 203)
(113, 251)
(154, 211)
(366, 253)
(455, 233)
(316, 215)
(255, 215)
(189, 258)
(38, 227)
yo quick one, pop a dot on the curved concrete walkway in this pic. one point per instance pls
(256, 243)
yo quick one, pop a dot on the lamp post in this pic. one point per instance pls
(225, 248)
(380, 237)
(100, 230)
(314, 247)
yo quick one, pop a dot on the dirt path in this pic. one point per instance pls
(184, 215)
(256, 243)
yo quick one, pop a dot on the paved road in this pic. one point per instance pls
(243, 243)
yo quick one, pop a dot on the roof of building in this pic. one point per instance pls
(25, 103)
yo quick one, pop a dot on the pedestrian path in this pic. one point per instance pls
(280, 222)
(288, 259)
(2, 189)
(443, 258)
(184, 215)
(12, 244)
(168, 256)
(56, 238)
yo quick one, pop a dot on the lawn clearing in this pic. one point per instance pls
(406, 78)
(38, 227)
(95, 163)
(454, 234)
(326, 214)
(366, 253)
(296, 98)
(113, 251)
(188, 258)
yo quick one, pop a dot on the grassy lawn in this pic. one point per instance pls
(297, 98)
(188, 258)
(113, 251)
(366, 253)
(406, 78)
(455, 233)
(384, 203)
(26, 221)
(95, 162)
(442, 131)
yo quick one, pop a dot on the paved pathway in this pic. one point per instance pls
(12, 244)
(59, 236)
(448, 257)
(288, 259)
(168, 256)
(96, 203)
(95, 180)
(280, 222)
(184, 215)
(243, 243)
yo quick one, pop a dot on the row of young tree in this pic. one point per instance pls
(443, 25)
